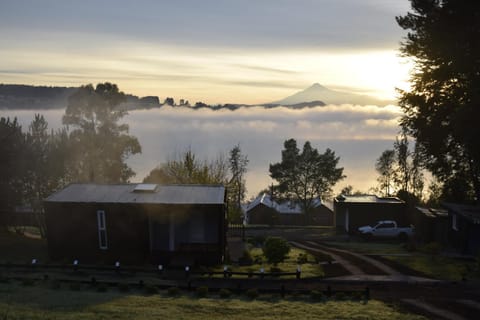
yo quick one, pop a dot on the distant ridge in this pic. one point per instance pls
(317, 92)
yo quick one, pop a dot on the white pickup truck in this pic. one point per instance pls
(386, 229)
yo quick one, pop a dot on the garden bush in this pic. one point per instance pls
(302, 258)
(275, 249)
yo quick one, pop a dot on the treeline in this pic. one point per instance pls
(93, 147)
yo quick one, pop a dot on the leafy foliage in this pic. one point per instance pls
(12, 144)
(306, 176)
(275, 249)
(442, 107)
(188, 169)
(236, 187)
(100, 144)
(385, 167)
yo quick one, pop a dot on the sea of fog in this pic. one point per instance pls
(358, 134)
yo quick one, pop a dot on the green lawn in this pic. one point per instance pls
(309, 269)
(438, 266)
(40, 302)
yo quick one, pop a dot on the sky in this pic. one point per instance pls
(214, 51)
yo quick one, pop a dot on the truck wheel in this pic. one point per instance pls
(403, 237)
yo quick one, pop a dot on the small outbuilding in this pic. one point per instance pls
(431, 225)
(353, 211)
(137, 223)
(464, 228)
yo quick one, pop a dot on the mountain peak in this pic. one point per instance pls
(316, 85)
(317, 92)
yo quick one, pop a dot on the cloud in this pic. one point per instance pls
(357, 134)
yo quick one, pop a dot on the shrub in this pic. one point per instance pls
(317, 295)
(173, 291)
(275, 270)
(225, 293)
(258, 240)
(246, 258)
(252, 293)
(302, 258)
(275, 249)
(201, 292)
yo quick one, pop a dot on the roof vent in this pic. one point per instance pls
(145, 187)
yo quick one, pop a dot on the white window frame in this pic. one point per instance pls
(454, 222)
(102, 230)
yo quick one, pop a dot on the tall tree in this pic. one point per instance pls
(12, 146)
(46, 169)
(443, 106)
(101, 144)
(385, 166)
(237, 186)
(307, 175)
(188, 169)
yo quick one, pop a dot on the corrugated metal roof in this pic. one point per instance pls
(433, 213)
(367, 199)
(470, 212)
(287, 207)
(124, 193)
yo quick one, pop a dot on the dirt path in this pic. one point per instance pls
(354, 270)
(379, 265)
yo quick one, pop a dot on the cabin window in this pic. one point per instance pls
(102, 230)
(454, 222)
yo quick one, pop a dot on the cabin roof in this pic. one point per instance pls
(140, 193)
(471, 213)
(286, 207)
(366, 199)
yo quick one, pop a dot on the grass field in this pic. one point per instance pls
(437, 266)
(41, 302)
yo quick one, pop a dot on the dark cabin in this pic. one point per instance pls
(355, 211)
(464, 228)
(264, 210)
(431, 225)
(137, 224)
